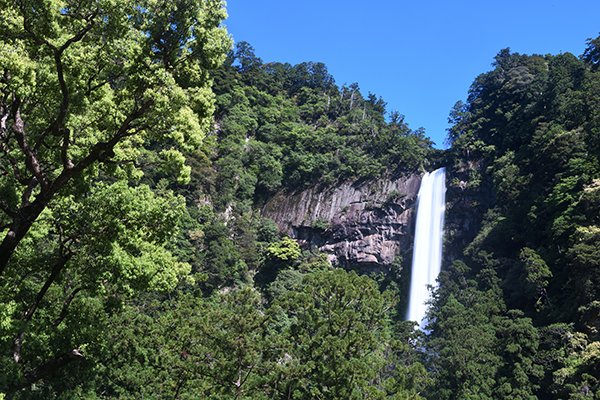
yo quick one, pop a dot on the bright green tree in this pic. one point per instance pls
(87, 84)
(93, 93)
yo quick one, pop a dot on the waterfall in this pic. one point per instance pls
(427, 251)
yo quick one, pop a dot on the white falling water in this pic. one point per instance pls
(427, 251)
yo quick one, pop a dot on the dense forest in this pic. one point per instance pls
(518, 314)
(137, 147)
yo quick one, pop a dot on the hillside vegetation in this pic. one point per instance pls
(137, 147)
(517, 316)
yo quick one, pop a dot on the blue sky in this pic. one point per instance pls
(420, 56)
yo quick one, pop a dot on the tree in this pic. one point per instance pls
(112, 244)
(333, 333)
(536, 119)
(183, 347)
(87, 84)
(91, 93)
(536, 274)
(592, 53)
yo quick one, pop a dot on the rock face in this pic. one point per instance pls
(358, 224)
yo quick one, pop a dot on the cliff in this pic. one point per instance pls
(358, 224)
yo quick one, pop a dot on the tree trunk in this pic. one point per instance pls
(18, 229)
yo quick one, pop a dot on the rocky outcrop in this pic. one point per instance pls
(358, 224)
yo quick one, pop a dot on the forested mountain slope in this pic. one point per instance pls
(135, 262)
(517, 315)
(137, 150)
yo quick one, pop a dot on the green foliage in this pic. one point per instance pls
(592, 53)
(89, 254)
(94, 95)
(333, 334)
(570, 361)
(277, 120)
(328, 335)
(185, 347)
(480, 350)
(526, 143)
(278, 256)
(286, 250)
(139, 268)
(135, 262)
(321, 224)
(536, 274)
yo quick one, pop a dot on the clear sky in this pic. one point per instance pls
(420, 56)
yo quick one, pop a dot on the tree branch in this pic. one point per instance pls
(5, 208)
(58, 124)
(18, 342)
(62, 261)
(65, 307)
(15, 168)
(26, 196)
(59, 127)
(180, 385)
(28, 214)
(100, 149)
(4, 114)
(30, 158)
(79, 35)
